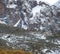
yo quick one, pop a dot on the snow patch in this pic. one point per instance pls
(24, 26)
(2, 22)
(51, 2)
(11, 6)
(52, 52)
(17, 23)
(36, 10)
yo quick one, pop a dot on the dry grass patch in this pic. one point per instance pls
(13, 52)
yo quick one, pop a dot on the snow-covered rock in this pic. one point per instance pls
(2, 22)
(28, 14)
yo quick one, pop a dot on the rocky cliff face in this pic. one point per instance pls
(30, 15)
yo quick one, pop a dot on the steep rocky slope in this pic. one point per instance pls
(30, 15)
(30, 26)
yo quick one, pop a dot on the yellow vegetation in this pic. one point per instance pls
(13, 52)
